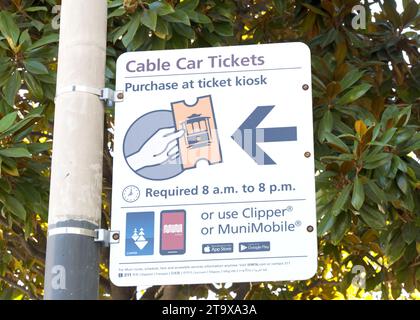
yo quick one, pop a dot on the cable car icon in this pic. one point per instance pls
(198, 133)
(200, 141)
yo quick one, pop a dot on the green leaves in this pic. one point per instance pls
(336, 143)
(376, 160)
(354, 94)
(188, 5)
(351, 78)
(15, 153)
(372, 217)
(161, 8)
(149, 19)
(33, 85)
(133, 26)
(178, 16)
(7, 121)
(224, 29)
(409, 232)
(410, 13)
(341, 225)
(11, 88)
(48, 39)
(392, 13)
(358, 194)
(341, 200)
(35, 66)
(8, 27)
(15, 207)
(198, 17)
(395, 248)
(325, 125)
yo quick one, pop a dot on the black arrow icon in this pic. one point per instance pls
(248, 135)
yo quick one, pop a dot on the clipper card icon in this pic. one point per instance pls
(200, 140)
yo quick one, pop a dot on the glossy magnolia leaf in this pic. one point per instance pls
(376, 161)
(410, 13)
(351, 78)
(33, 85)
(388, 135)
(325, 125)
(133, 26)
(410, 232)
(224, 29)
(36, 148)
(18, 126)
(373, 217)
(392, 13)
(178, 16)
(115, 3)
(354, 94)
(35, 9)
(25, 40)
(358, 196)
(48, 39)
(8, 26)
(184, 30)
(15, 153)
(35, 66)
(161, 8)
(15, 207)
(188, 4)
(329, 37)
(162, 29)
(198, 17)
(118, 32)
(149, 19)
(336, 142)
(395, 249)
(326, 223)
(117, 13)
(402, 183)
(11, 88)
(375, 193)
(341, 200)
(341, 225)
(7, 121)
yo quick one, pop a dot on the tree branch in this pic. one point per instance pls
(17, 287)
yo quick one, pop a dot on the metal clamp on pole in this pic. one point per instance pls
(107, 95)
(107, 237)
(104, 236)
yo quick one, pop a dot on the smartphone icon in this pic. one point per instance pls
(172, 232)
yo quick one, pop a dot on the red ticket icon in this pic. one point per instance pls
(200, 141)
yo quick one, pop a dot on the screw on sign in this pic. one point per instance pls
(116, 236)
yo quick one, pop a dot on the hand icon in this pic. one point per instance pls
(161, 147)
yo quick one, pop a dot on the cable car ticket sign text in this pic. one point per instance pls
(213, 166)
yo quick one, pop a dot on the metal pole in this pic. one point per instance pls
(71, 270)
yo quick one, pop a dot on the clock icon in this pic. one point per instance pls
(131, 193)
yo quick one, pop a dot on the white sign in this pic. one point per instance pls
(213, 166)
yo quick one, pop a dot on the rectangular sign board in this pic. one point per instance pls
(213, 166)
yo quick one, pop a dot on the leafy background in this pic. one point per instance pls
(366, 89)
